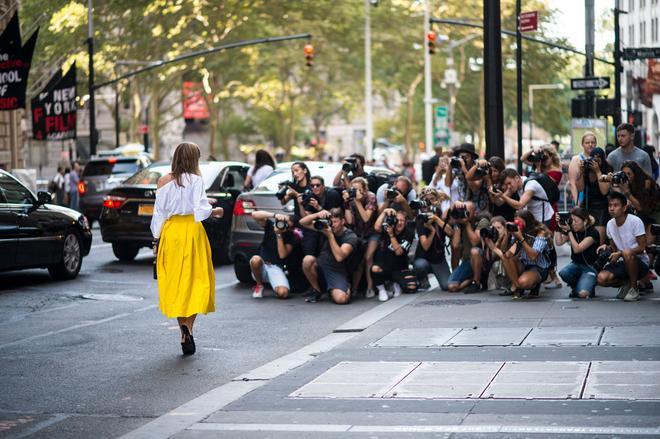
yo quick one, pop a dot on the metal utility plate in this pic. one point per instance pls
(417, 337)
(623, 380)
(490, 337)
(631, 336)
(559, 336)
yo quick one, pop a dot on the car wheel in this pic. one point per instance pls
(243, 271)
(124, 251)
(69, 266)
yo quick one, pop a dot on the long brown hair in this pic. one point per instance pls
(185, 161)
(532, 226)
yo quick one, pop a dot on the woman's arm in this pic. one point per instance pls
(579, 247)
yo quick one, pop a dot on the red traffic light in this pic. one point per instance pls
(309, 54)
(431, 36)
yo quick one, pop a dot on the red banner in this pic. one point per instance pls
(194, 105)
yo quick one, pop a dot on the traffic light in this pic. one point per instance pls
(309, 54)
(431, 38)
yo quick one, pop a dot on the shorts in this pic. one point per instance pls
(332, 280)
(374, 237)
(274, 275)
(543, 272)
(618, 269)
(461, 273)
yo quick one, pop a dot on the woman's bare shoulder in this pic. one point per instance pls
(162, 181)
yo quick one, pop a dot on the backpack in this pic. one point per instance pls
(548, 184)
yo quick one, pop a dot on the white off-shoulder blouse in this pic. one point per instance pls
(187, 199)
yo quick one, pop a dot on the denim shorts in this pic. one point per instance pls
(461, 273)
(543, 272)
(332, 279)
(274, 275)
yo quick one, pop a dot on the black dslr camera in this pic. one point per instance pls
(350, 165)
(283, 188)
(602, 259)
(351, 193)
(308, 196)
(564, 218)
(458, 213)
(537, 157)
(496, 188)
(281, 225)
(321, 223)
(455, 162)
(511, 227)
(418, 204)
(586, 163)
(389, 221)
(391, 193)
(426, 217)
(489, 232)
(482, 171)
(619, 178)
(654, 249)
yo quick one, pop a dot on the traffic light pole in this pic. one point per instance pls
(92, 88)
(617, 65)
(428, 103)
(493, 79)
(519, 88)
(368, 94)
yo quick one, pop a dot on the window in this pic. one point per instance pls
(642, 33)
(13, 192)
(631, 35)
(654, 30)
(234, 178)
(642, 4)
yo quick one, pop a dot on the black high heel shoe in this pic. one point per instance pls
(188, 344)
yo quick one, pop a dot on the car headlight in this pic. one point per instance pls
(82, 220)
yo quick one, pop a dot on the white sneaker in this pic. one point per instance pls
(397, 289)
(623, 292)
(382, 294)
(632, 296)
(258, 291)
(370, 293)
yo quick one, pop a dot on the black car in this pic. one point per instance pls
(127, 210)
(35, 234)
(100, 176)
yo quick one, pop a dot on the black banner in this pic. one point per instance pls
(15, 61)
(54, 109)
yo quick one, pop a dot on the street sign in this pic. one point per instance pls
(640, 53)
(528, 21)
(590, 83)
(442, 124)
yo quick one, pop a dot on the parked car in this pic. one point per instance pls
(35, 234)
(102, 174)
(246, 233)
(127, 209)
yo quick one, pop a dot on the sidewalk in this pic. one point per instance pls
(437, 364)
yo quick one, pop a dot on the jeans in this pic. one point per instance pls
(423, 267)
(73, 200)
(461, 273)
(580, 277)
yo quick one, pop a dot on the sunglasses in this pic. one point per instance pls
(316, 185)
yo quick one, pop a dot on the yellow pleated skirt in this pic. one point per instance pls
(186, 279)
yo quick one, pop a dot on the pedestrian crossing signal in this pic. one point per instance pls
(431, 38)
(309, 54)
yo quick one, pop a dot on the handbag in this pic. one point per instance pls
(155, 248)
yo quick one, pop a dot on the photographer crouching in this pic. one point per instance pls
(276, 247)
(578, 229)
(527, 262)
(315, 199)
(433, 229)
(467, 242)
(329, 271)
(391, 258)
(352, 167)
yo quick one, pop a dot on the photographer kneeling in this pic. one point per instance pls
(628, 260)
(578, 229)
(527, 262)
(315, 199)
(328, 272)
(432, 231)
(276, 247)
(467, 243)
(391, 258)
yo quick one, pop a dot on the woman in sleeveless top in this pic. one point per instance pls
(186, 278)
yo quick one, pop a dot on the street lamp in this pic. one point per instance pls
(368, 99)
(533, 87)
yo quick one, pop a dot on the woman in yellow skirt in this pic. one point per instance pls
(186, 279)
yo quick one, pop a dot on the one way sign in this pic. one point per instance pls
(590, 83)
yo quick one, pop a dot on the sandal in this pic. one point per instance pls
(188, 343)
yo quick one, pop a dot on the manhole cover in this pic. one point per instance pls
(448, 302)
(112, 297)
(112, 270)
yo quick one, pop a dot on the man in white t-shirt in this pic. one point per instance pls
(628, 241)
(532, 195)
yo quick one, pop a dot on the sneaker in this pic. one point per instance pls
(472, 288)
(382, 294)
(424, 284)
(623, 292)
(632, 296)
(312, 296)
(645, 287)
(370, 293)
(573, 294)
(397, 289)
(584, 294)
(506, 292)
(552, 285)
(258, 291)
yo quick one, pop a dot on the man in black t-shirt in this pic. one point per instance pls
(316, 199)
(276, 247)
(432, 231)
(343, 178)
(329, 272)
(391, 257)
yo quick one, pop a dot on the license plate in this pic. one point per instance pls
(146, 209)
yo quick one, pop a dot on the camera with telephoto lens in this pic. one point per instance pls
(653, 250)
(321, 223)
(496, 188)
(352, 192)
(455, 162)
(281, 225)
(511, 227)
(283, 188)
(350, 165)
(391, 193)
(537, 157)
(418, 204)
(564, 218)
(308, 196)
(489, 232)
(389, 221)
(481, 171)
(602, 259)
(459, 213)
(426, 217)
(619, 178)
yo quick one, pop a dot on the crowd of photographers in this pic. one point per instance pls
(475, 226)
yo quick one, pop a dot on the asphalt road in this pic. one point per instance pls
(95, 357)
